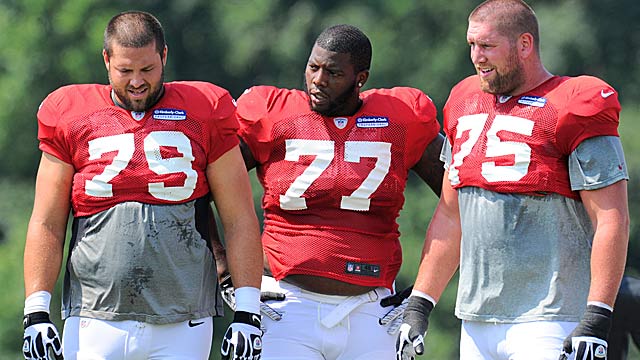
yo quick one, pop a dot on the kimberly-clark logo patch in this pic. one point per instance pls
(537, 101)
(169, 114)
(372, 121)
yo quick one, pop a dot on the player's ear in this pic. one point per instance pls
(105, 57)
(164, 55)
(525, 45)
(362, 78)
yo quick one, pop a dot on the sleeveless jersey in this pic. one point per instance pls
(518, 164)
(140, 244)
(333, 187)
(155, 157)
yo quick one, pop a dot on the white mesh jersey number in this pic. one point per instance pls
(324, 152)
(99, 185)
(124, 144)
(473, 125)
(171, 165)
(353, 152)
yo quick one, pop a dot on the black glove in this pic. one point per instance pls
(589, 338)
(228, 295)
(393, 319)
(243, 339)
(410, 341)
(41, 338)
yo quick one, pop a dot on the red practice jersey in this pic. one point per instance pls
(521, 144)
(154, 157)
(333, 186)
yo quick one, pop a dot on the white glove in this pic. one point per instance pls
(393, 318)
(229, 297)
(41, 338)
(243, 339)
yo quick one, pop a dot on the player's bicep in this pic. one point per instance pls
(229, 184)
(430, 167)
(53, 193)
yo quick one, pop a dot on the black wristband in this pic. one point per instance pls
(597, 321)
(247, 318)
(38, 317)
(420, 305)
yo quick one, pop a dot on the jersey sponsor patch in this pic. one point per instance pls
(169, 114)
(372, 121)
(536, 101)
(363, 269)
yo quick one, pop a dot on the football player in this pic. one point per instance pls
(334, 161)
(533, 209)
(138, 162)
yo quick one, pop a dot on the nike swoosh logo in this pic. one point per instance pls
(194, 324)
(606, 94)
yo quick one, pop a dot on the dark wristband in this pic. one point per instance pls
(37, 317)
(247, 318)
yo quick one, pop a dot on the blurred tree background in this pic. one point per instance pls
(240, 43)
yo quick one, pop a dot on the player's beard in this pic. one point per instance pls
(336, 106)
(506, 80)
(155, 91)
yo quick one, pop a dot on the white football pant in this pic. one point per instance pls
(326, 327)
(535, 340)
(92, 339)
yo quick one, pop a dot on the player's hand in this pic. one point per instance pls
(41, 338)
(243, 339)
(589, 338)
(410, 341)
(393, 318)
(228, 295)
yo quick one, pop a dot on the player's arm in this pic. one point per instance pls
(46, 231)
(219, 253)
(441, 250)
(43, 254)
(440, 260)
(609, 213)
(430, 168)
(229, 184)
(608, 209)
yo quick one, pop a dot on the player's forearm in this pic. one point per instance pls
(608, 257)
(42, 257)
(244, 253)
(440, 255)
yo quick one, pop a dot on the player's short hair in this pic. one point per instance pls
(511, 18)
(347, 39)
(134, 29)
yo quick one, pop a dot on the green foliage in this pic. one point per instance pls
(14, 215)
